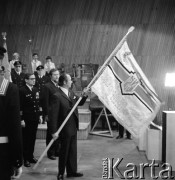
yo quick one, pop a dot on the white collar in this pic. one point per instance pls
(55, 84)
(18, 72)
(66, 91)
(33, 61)
(29, 87)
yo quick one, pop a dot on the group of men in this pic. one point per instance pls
(24, 101)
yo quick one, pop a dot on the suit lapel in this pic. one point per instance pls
(28, 89)
(70, 96)
(53, 85)
(64, 95)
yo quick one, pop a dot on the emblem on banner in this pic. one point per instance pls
(130, 85)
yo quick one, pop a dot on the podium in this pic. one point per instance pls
(168, 138)
(154, 144)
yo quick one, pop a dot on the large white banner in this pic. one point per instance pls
(6, 64)
(126, 92)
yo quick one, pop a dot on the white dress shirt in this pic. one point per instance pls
(66, 91)
(30, 87)
(35, 64)
(49, 66)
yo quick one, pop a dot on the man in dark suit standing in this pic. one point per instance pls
(10, 127)
(62, 103)
(49, 89)
(30, 103)
(17, 75)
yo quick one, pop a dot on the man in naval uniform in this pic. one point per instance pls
(17, 75)
(10, 127)
(30, 103)
(41, 80)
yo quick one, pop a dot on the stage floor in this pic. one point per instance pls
(91, 153)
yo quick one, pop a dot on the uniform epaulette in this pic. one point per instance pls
(3, 87)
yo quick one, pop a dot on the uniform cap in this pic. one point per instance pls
(17, 63)
(39, 67)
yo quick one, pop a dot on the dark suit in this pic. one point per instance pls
(10, 126)
(30, 103)
(60, 108)
(18, 79)
(48, 91)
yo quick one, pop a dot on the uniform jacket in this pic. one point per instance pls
(48, 91)
(60, 108)
(10, 123)
(18, 79)
(29, 101)
(40, 82)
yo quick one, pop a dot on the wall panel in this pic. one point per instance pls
(87, 31)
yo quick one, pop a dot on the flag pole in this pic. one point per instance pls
(88, 87)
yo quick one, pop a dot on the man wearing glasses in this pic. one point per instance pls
(30, 103)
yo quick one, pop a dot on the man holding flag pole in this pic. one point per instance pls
(80, 98)
(63, 101)
(128, 101)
